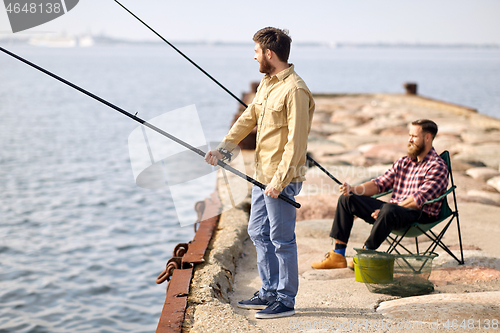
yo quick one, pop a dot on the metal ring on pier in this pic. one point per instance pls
(166, 275)
(180, 249)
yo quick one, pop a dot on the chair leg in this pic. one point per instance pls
(436, 239)
(391, 243)
(396, 242)
(458, 224)
(461, 262)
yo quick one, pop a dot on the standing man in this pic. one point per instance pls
(282, 110)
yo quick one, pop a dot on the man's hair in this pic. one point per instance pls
(274, 39)
(428, 126)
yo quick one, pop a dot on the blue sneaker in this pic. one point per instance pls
(275, 310)
(255, 303)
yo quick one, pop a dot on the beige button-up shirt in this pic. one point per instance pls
(282, 110)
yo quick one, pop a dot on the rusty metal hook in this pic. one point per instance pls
(166, 275)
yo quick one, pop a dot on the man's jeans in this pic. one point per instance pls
(272, 230)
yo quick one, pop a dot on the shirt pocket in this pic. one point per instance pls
(275, 115)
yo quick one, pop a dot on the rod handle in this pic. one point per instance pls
(288, 200)
(280, 196)
(256, 182)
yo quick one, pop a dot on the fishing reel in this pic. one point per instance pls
(227, 155)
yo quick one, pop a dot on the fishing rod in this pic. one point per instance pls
(323, 169)
(182, 54)
(145, 123)
(213, 79)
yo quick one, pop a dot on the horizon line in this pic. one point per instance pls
(105, 39)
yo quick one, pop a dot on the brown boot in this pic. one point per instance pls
(332, 260)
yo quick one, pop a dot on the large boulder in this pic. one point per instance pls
(452, 128)
(494, 182)
(482, 174)
(376, 125)
(465, 184)
(488, 153)
(384, 153)
(323, 147)
(463, 275)
(484, 197)
(348, 119)
(314, 207)
(353, 141)
(447, 142)
(436, 308)
(477, 137)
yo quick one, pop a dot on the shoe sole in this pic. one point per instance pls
(274, 315)
(252, 307)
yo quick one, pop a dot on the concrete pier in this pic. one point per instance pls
(357, 137)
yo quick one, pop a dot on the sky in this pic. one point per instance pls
(327, 21)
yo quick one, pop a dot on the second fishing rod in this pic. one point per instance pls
(309, 158)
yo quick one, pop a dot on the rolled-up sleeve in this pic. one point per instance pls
(385, 182)
(240, 129)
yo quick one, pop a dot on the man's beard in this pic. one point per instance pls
(414, 150)
(265, 66)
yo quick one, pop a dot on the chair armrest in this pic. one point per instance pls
(451, 189)
(381, 194)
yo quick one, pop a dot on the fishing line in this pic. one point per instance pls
(145, 123)
(213, 79)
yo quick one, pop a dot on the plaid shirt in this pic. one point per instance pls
(424, 180)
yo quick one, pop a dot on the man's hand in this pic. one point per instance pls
(375, 214)
(271, 192)
(409, 203)
(213, 157)
(345, 189)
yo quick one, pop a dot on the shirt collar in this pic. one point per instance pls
(283, 74)
(431, 154)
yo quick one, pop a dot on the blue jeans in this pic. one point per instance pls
(272, 230)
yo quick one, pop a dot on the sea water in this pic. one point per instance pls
(80, 243)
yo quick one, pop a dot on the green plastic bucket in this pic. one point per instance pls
(373, 268)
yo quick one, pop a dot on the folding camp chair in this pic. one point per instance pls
(417, 229)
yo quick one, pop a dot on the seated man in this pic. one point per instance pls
(415, 179)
